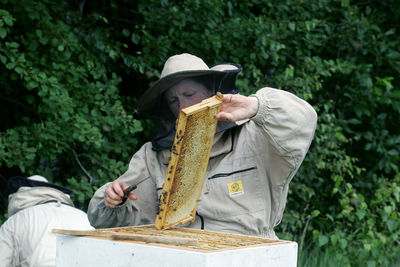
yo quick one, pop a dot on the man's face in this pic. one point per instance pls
(184, 94)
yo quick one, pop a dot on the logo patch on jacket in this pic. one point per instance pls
(235, 188)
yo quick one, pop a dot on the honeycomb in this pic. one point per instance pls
(195, 129)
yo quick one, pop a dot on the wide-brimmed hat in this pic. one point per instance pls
(182, 66)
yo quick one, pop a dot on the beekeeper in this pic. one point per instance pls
(35, 207)
(260, 143)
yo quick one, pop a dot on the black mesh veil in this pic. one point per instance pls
(164, 121)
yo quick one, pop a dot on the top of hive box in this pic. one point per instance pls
(190, 152)
(182, 238)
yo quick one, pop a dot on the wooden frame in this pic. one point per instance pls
(190, 152)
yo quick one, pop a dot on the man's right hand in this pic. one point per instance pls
(113, 196)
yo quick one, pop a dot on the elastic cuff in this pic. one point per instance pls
(262, 111)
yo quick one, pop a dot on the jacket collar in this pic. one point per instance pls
(222, 144)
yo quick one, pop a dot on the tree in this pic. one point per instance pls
(71, 73)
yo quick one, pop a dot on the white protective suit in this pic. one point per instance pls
(26, 238)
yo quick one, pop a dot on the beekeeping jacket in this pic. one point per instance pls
(26, 238)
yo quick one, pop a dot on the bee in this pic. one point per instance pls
(179, 140)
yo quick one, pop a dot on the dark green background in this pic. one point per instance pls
(71, 71)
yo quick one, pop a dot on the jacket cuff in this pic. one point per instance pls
(263, 107)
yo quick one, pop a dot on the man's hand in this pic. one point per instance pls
(237, 107)
(115, 192)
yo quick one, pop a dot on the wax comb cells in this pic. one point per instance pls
(190, 152)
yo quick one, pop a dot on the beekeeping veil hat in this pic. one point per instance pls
(25, 192)
(183, 66)
(220, 77)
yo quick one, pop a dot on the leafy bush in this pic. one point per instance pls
(63, 115)
(71, 73)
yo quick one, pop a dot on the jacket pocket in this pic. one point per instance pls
(234, 193)
(219, 175)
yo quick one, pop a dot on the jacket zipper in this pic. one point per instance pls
(218, 175)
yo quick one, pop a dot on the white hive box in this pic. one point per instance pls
(173, 247)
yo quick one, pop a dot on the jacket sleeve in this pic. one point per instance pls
(131, 212)
(8, 251)
(288, 122)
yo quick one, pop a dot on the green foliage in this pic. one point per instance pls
(63, 115)
(71, 74)
(316, 257)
